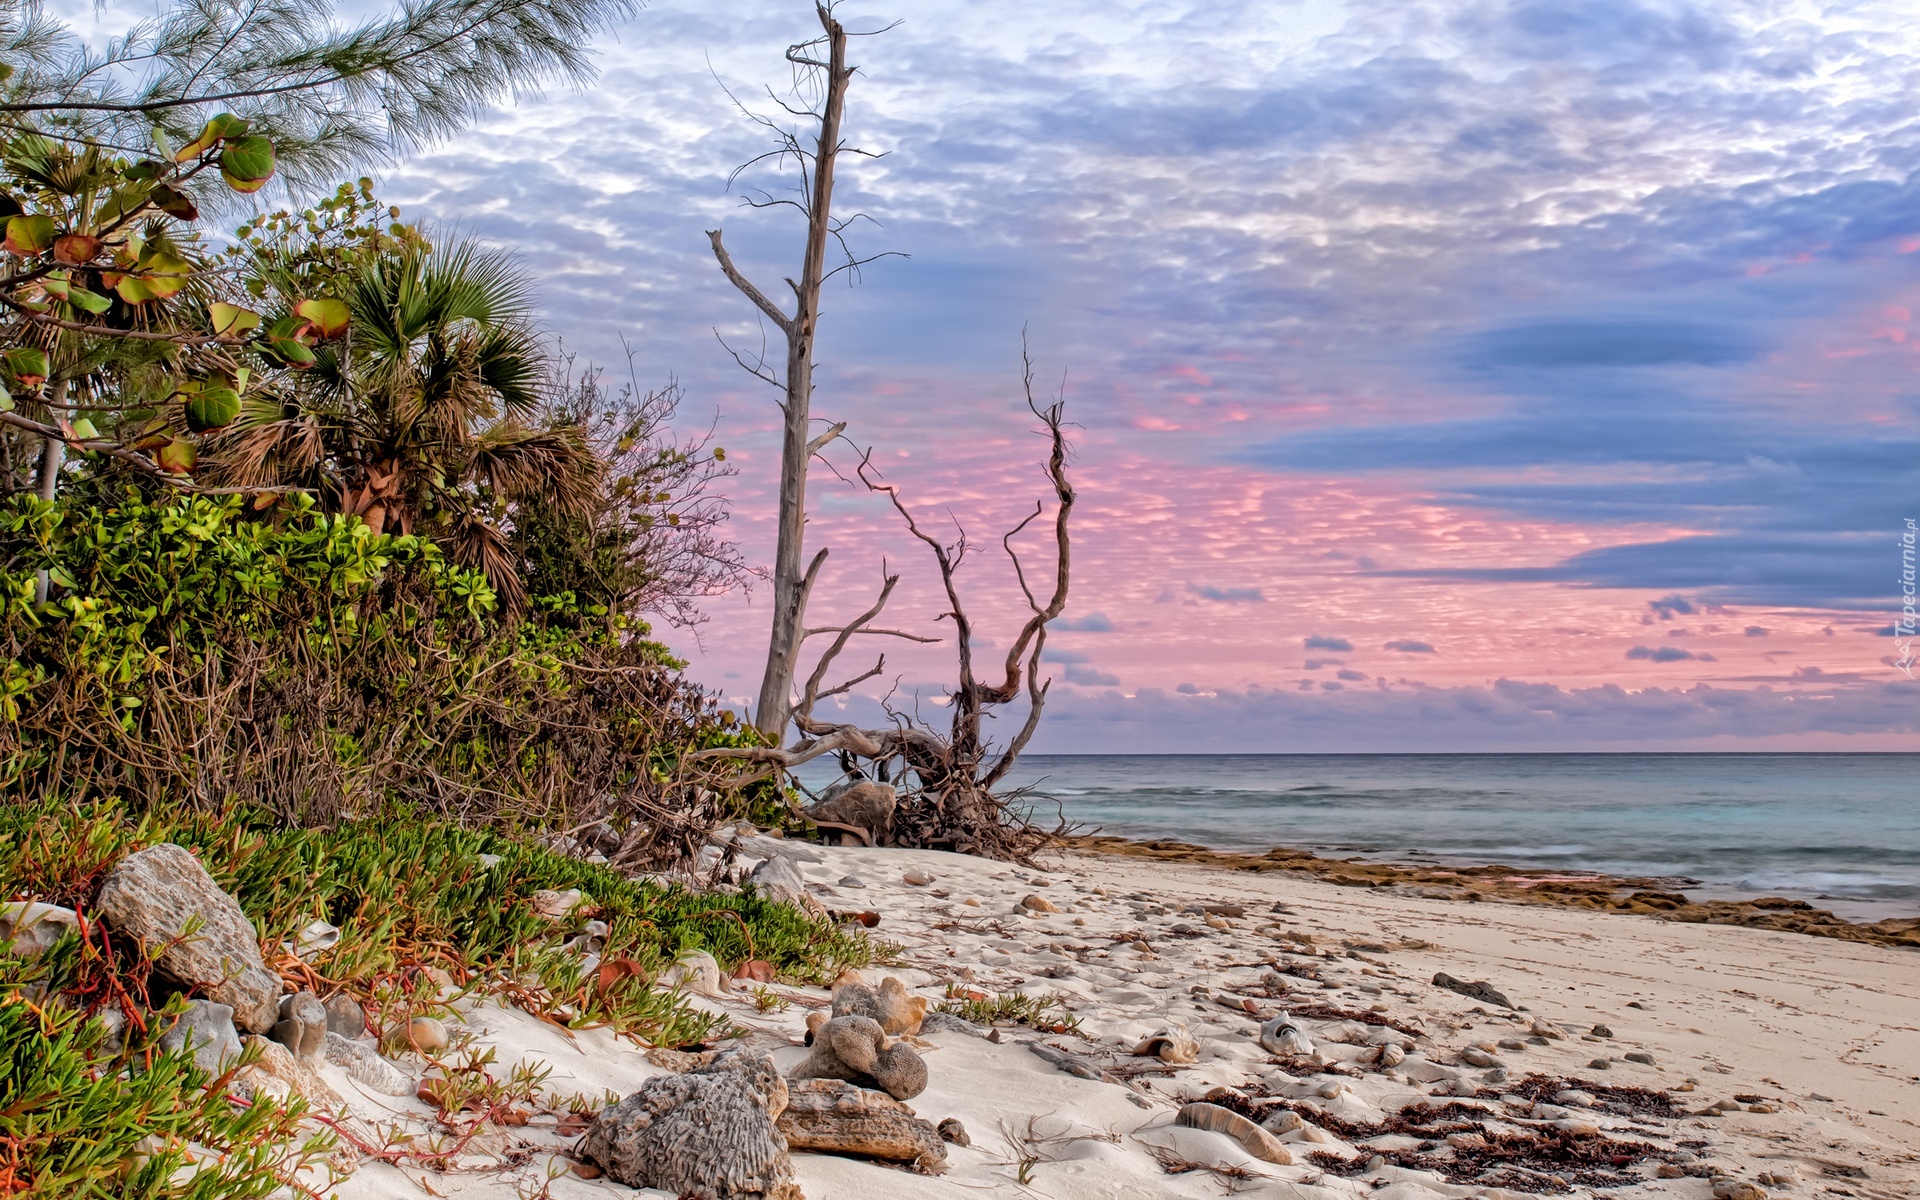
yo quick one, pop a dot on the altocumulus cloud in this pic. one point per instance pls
(1406, 647)
(1318, 641)
(1667, 654)
(1231, 595)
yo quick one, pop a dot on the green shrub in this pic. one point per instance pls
(198, 652)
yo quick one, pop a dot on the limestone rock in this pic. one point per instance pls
(206, 1028)
(1282, 1037)
(1253, 1139)
(944, 1022)
(694, 971)
(864, 805)
(1283, 1120)
(302, 1027)
(898, 1010)
(1481, 990)
(365, 1067)
(951, 1130)
(1170, 1043)
(778, 878)
(856, 1049)
(708, 1134)
(833, 1116)
(151, 895)
(29, 927)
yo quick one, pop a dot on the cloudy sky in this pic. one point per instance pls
(1446, 374)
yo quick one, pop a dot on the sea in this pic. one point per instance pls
(1842, 830)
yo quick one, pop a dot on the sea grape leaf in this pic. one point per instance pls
(328, 316)
(29, 234)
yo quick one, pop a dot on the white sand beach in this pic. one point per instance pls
(1818, 1039)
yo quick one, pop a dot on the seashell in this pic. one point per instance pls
(1253, 1139)
(1170, 1043)
(1282, 1037)
(1391, 1055)
(315, 938)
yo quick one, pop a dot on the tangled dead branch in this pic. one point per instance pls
(948, 781)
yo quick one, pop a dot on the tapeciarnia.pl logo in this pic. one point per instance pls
(1903, 628)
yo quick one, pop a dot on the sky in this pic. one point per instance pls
(1444, 374)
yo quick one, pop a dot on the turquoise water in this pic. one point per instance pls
(1839, 827)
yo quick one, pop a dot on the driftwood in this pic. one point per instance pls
(948, 780)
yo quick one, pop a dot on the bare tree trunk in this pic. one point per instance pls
(52, 454)
(792, 576)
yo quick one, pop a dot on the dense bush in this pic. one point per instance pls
(204, 651)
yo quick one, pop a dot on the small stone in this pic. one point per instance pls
(1670, 1171)
(1392, 1055)
(853, 881)
(1039, 904)
(1601, 1031)
(1543, 1028)
(1639, 1056)
(206, 1029)
(30, 928)
(423, 1034)
(345, 1016)
(1600, 1064)
(1762, 1107)
(1512, 1044)
(1474, 1056)
(1574, 1097)
(971, 902)
(1736, 1189)
(951, 1130)
(917, 878)
(1284, 1120)
(779, 878)
(1819, 1097)
(695, 971)
(1575, 1127)
(302, 1027)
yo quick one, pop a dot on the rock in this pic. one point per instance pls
(917, 878)
(856, 1049)
(755, 970)
(1670, 1171)
(779, 878)
(864, 806)
(1575, 1127)
(1282, 1037)
(1601, 1031)
(1600, 1064)
(1574, 1097)
(555, 905)
(1283, 1120)
(345, 1016)
(302, 1027)
(365, 1067)
(944, 1022)
(1392, 1055)
(1640, 1056)
(1253, 1139)
(709, 1133)
(898, 1010)
(1170, 1043)
(419, 1035)
(206, 1029)
(1481, 991)
(679, 1061)
(1547, 1029)
(832, 1116)
(151, 895)
(278, 1061)
(951, 1130)
(694, 971)
(853, 881)
(1039, 904)
(1474, 1056)
(29, 927)
(1735, 1189)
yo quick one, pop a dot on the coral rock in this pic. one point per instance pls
(865, 805)
(279, 1062)
(151, 896)
(365, 1067)
(708, 1134)
(835, 1117)
(898, 1010)
(1253, 1139)
(856, 1049)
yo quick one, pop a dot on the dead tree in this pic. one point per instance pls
(948, 781)
(791, 580)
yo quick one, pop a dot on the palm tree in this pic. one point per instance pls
(424, 418)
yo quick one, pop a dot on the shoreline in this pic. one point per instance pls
(1664, 898)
